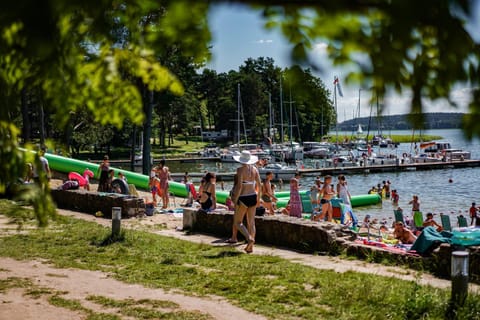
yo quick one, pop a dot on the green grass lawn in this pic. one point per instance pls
(267, 285)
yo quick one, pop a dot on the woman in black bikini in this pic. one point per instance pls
(247, 196)
(208, 198)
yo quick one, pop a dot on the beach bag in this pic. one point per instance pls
(149, 209)
(259, 211)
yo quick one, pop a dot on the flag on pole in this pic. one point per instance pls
(336, 82)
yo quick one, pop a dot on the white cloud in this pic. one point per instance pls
(264, 41)
(320, 48)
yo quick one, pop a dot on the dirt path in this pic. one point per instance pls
(75, 284)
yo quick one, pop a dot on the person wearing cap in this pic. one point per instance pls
(247, 196)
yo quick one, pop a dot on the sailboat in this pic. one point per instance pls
(236, 148)
(287, 152)
(359, 143)
(359, 130)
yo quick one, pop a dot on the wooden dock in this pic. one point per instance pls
(334, 171)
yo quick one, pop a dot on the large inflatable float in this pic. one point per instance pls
(356, 201)
(67, 165)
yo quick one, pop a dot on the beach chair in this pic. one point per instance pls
(418, 219)
(462, 222)
(399, 216)
(446, 222)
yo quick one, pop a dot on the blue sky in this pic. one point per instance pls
(238, 34)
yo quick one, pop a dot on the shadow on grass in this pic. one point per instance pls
(110, 239)
(224, 254)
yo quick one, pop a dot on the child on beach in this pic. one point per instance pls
(314, 191)
(395, 197)
(415, 203)
(154, 185)
(286, 210)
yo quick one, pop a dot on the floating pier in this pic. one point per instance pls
(421, 166)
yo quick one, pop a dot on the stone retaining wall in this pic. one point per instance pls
(92, 201)
(325, 238)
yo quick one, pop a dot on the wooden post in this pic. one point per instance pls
(116, 221)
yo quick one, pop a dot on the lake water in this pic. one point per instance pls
(435, 192)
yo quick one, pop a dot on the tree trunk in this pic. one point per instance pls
(27, 125)
(161, 133)
(132, 149)
(41, 123)
(147, 130)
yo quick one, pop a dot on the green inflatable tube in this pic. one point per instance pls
(286, 194)
(66, 165)
(365, 199)
(357, 201)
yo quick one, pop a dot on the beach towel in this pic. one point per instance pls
(430, 239)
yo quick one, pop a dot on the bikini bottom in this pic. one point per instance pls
(249, 200)
(207, 204)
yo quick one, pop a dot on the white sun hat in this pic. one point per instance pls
(246, 158)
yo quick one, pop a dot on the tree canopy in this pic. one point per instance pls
(107, 57)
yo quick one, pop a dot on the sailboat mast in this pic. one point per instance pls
(358, 107)
(238, 114)
(291, 117)
(269, 114)
(336, 111)
(281, 112)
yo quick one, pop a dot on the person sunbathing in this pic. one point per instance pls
(403, 234)
(429, 222)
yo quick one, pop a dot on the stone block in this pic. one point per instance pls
(92, 202)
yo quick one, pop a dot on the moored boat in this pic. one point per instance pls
(279, 171)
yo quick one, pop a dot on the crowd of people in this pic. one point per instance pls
(250, 192)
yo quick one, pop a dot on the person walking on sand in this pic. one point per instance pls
(295, 200)
(247, 196)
